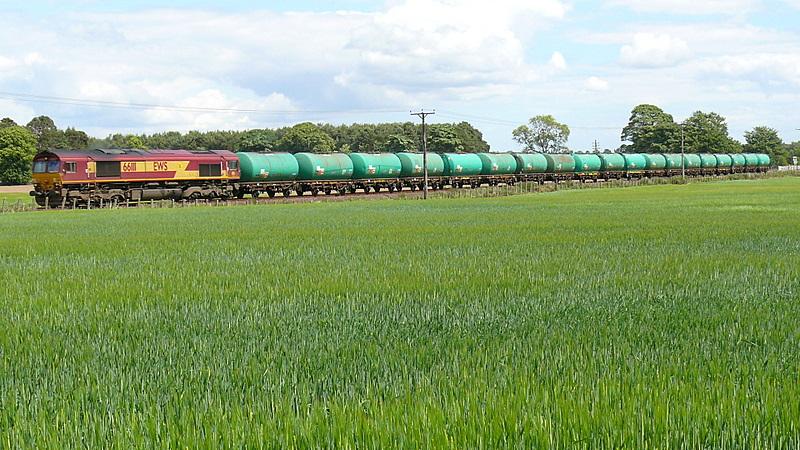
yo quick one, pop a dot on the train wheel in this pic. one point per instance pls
(299, 192)
(287, 193)
(327, 191)
(314, 192)
(391, 188)
(255, 194)
(271, 193)
(117, 200)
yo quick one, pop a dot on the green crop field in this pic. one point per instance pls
(645, 317)
(9, 199)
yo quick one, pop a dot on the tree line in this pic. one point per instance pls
(315, 138)
(651, 130)
(18, 144)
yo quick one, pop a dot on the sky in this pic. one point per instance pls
(148, 66)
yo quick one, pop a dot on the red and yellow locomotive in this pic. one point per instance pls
(65, 177)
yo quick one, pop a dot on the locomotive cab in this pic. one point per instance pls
(47, 174)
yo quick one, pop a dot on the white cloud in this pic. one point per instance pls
(770, 68)
(420, 45)
(711, 53)
(33, 58)
(412, 50)
(596, 84)
(7, 63)
(654, 50)
(557, 62)
(690, 7)
(470, 56)
(19, 113)
(213, 98)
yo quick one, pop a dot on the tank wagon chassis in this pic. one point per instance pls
(286, 189)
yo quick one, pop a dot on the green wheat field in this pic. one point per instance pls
(645, 317)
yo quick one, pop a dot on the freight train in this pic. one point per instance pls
(70, 178)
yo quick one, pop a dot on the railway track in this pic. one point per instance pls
(448, 192)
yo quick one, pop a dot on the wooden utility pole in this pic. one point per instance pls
(683, 157)
(422, 114)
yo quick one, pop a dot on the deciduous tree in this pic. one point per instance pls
(650, 130)
(75, 139)
(542, 133)
(398, 143)
(305, 137)
(17, 149)
(442, 138)
(766, 140)
(257, 140)
(708, 133)
(471, 138)
(46, 133)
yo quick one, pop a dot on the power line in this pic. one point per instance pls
(478, 118)
(31, 98)
(497, 121)
(72, 101)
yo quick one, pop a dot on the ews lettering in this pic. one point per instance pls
(142, 166)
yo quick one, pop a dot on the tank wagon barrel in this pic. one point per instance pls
(411, 164)
(655, 161)
(635, 162)
(751, 160)
(692, 163)
(560, 163)
(498, 163)
(587, 163)
(462, 164)
(412, 174)
(612, 162)
(764, 160)
(674, 162)
(739, 161)
(708, 161)
(376, 171)
(531, 162)
(268, 166)
(724, 162)
(375, 165)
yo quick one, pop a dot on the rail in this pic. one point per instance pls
(18, 206)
